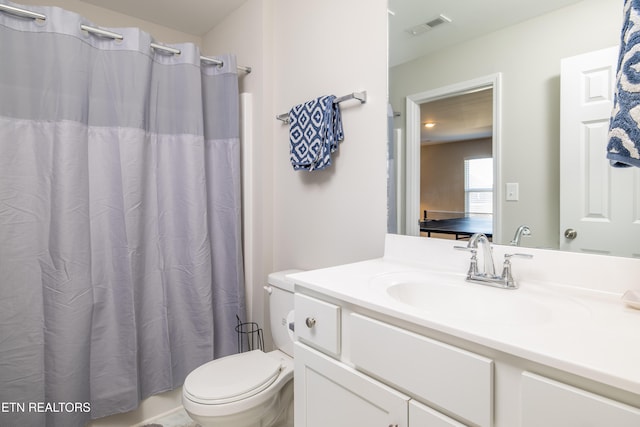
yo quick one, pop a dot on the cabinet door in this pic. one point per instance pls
(550, 403)
(329, 393)
(423, 416)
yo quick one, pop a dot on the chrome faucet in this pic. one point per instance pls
(488, 276)
(482, 241)
(523, 230)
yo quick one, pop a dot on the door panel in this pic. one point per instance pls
(597, 202)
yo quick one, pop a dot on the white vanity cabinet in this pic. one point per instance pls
(361, 388)
(357, 367)
(455, 380)
(329, 393)
(550, 403)
(317, 324)
(422, 415)
(560, 351)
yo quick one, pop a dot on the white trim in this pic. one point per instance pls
(412, 183)
(248, 196)
(400, 156)
(413, 145)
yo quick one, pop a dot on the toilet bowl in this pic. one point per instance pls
(243, 390)
(252, 389)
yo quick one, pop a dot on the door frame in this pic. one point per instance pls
(413, 102)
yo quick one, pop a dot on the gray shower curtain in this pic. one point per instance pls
(120, 236)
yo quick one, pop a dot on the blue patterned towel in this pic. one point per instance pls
(315, 131)
(623, 149)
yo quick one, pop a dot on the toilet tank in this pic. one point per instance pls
(280, 300)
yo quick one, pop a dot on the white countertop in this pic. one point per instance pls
(580, 330)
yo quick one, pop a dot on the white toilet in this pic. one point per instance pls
(253, 389)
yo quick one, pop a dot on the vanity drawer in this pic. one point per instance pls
(450, 379)
(550, 403)
(317, 323)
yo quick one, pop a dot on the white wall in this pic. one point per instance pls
(107, 18)
(528, 55)
(301, 219)
(298, 51)
(247, 34)
(337, 215)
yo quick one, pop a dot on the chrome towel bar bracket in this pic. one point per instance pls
(360, 96)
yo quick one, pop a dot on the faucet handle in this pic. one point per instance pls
(507, 277)
(473, 266)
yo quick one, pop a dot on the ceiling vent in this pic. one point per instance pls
(428, 26)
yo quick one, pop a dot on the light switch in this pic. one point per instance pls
(512, 191)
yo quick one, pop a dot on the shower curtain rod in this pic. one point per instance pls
(109, 34)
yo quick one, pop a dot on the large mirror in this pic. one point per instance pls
(441, 44)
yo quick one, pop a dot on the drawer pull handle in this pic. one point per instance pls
(310, 322)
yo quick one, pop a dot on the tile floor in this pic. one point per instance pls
(177, 418)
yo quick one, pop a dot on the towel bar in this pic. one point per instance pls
(360, 96)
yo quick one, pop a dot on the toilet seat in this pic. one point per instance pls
(232, 378)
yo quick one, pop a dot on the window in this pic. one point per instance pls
(478, 186)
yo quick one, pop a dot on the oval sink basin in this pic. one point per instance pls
(450, 301)
(451, 296)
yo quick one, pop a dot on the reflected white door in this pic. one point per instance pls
(599, 205)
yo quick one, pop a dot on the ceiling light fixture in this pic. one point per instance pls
(428, 26)
(429, 125)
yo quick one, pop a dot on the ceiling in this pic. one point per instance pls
(195, 17)
(468, 116)
(469, 19)
(457, 118)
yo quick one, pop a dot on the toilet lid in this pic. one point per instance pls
(232, 378)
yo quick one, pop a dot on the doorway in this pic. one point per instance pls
(416, 136)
